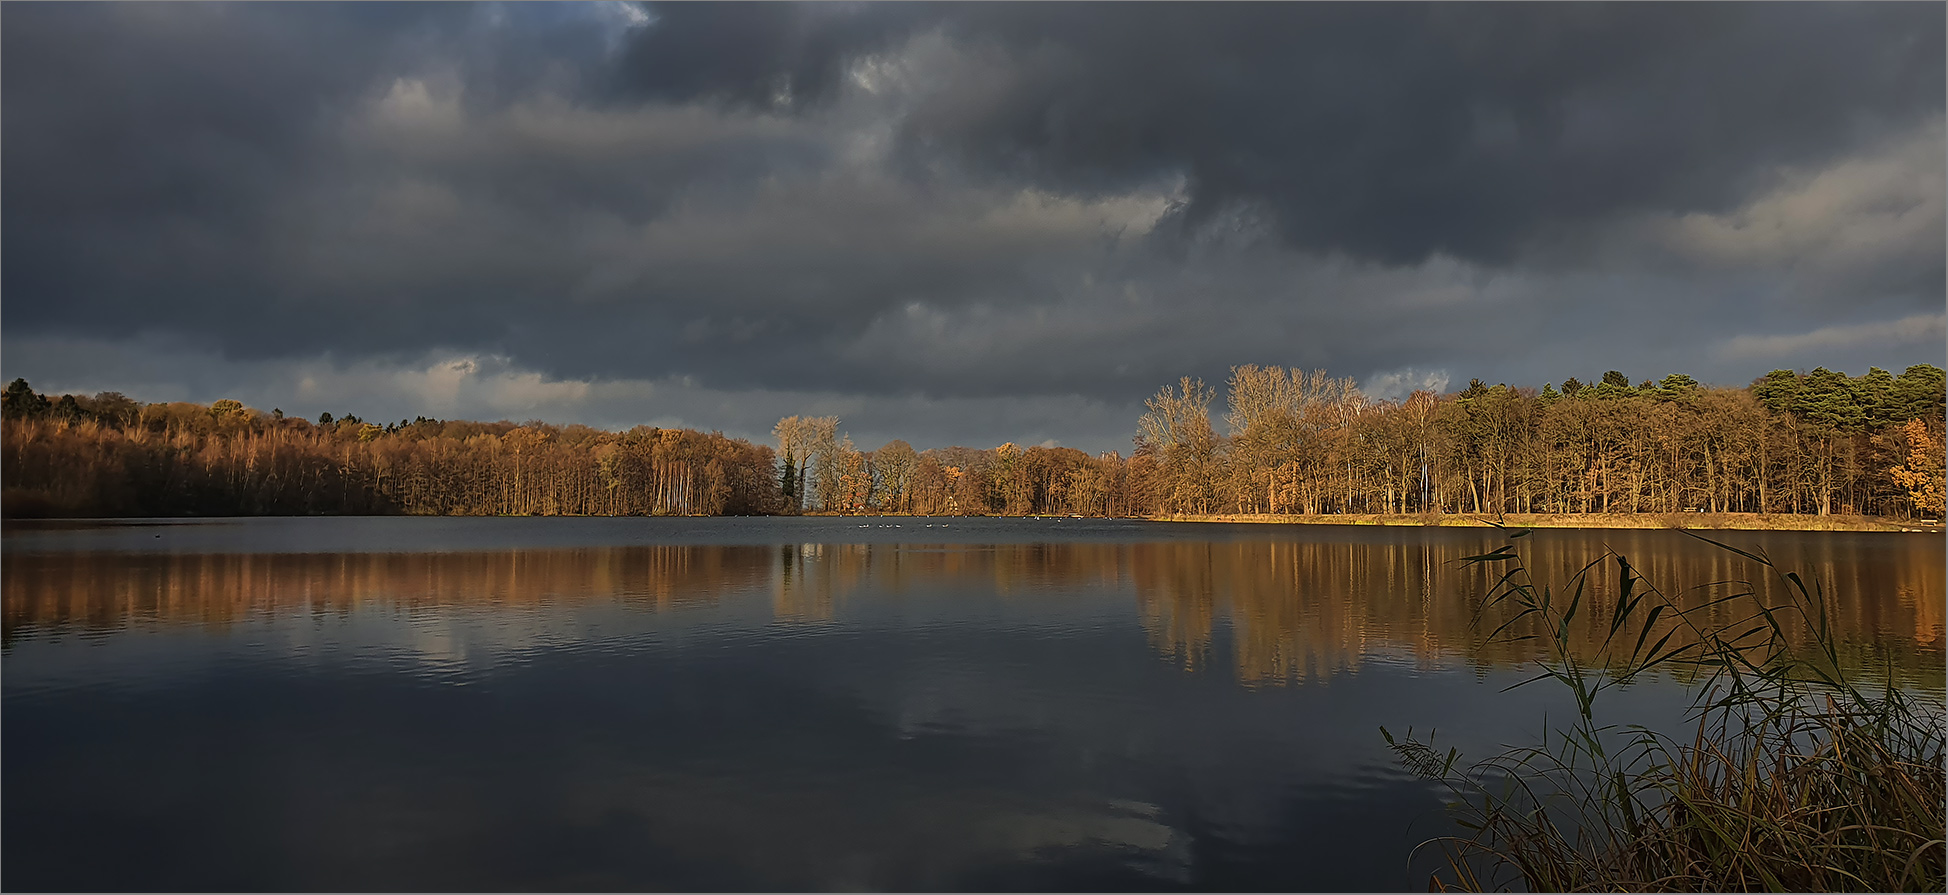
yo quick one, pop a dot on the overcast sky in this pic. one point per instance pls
(954, 224)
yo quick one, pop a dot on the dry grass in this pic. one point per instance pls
(1794, 779)
(1697, 521)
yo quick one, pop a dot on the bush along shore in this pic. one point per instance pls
(1794, 777)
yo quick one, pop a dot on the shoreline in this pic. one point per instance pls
(1691, 521)
(1628, 521)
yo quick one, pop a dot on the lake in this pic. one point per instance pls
(794, 703)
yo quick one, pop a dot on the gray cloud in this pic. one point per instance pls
(1403, 130)
(942, 217)
(1920, 329)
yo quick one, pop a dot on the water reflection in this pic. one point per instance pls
(1307, 610)
(1284, 610)
(52, 591)
(793, 711)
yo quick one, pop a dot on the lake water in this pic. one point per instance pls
(793, 703)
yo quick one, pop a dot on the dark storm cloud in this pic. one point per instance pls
(152, 148)
(760, 54)
(1385, 130)
(960, 203)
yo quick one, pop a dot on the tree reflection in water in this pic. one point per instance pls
(1291, 610)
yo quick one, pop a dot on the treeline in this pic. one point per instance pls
(1295, 442)
(1304, 443)
(822, 471)
(110, 456)
(1816, 443)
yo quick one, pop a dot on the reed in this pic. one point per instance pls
(1793, 778)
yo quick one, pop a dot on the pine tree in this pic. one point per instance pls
(1777, 390)
(19, 401)
(1827, 399)
(1875, 394)
(1918, 393)
(789, 484)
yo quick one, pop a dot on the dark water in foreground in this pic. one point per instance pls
(544, 704)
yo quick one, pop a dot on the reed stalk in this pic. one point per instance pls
(1794, 776)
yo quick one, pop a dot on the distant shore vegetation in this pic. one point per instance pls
(1295, 443)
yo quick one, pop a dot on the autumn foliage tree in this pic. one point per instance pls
(1922, 473)
(1820, 443)
(1295, 442)
(108, 458)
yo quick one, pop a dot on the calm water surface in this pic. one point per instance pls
(539, 704)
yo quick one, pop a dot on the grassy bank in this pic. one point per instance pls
(1699, 521)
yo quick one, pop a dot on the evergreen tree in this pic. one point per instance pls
(789, 485)
(1827, 398)
(1874, 393)
(66, 409)
(1614, 385)
(1917, 393)
(1675, 386)
(19, 400)
(1777, 390)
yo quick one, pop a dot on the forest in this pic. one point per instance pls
(1293, 442)
(111, 456)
